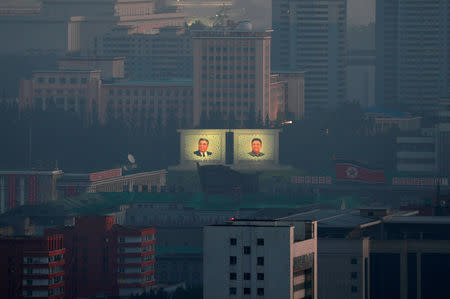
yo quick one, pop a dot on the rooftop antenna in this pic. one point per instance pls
(131, 163)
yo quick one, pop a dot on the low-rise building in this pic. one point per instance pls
(112, 180)
(18, 188)
(147, 104)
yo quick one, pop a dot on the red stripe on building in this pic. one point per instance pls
(32, 189)
(11, 191)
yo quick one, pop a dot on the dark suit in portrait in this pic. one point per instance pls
(257, 155)
(200, 154)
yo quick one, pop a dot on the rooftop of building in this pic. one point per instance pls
(183, 82)
(441, 220)
(334, 218)
(388, 113)
(30, 172)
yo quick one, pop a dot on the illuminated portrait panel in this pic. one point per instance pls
(203, 145)
(256, 146)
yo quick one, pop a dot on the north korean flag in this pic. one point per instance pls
(355, 172)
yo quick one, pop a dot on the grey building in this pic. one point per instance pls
(310, 36)
(412, 58)
(167, 54)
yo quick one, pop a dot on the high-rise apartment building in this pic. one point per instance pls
(309, 35)
(32, 267)
(231, 73)
(412, 54)
(256, 259)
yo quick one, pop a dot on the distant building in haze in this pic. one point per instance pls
(148, 104)
(413, 57)
(311, 36)
(271, 259)
(69, 26)
(231, 73)
(167, 54)
(232, 77)
(18, 188)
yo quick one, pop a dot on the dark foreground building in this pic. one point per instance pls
(106, 259)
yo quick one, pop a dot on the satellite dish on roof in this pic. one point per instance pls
(131, 159)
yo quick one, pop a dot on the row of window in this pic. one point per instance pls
(173, 91)
(229, 49)
(151, 101)
(259, 259)
(247, 276)
(247, 291)
(259, 242)
(62, 80)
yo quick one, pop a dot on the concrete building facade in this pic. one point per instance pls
(231, 73)
(271, 259)
(147, 104)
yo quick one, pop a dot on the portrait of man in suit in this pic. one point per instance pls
(203, 148)
(256, 148)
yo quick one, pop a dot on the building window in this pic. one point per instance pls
(233, 276)
(260, 261)
(260, 276)
(232, 240)
(233, 260)
(247, 276)
(260, 291)
(260, 242)
(354, 289)
(247, 291)
(232, 291)
(354, 275)
(354, 261)
(247, 250)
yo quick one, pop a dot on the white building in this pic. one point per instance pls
(260, 259)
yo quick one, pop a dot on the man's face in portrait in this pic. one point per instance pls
(256, 146)
(203, 146)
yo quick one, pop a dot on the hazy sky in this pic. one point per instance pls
(360, 12)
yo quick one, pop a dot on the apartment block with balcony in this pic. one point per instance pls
(108, 259)
(32, 267)
(135, 259)
(260, 259)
